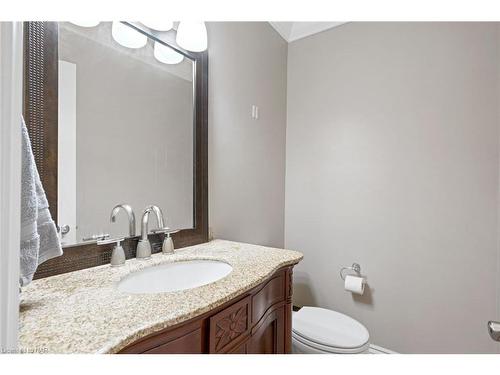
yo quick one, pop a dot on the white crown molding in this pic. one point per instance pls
(283, 28)
(291, 31)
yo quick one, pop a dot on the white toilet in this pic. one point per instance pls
(322, 331)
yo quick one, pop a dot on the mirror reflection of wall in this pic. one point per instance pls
(125, 133)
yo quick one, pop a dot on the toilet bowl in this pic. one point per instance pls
(321, 331)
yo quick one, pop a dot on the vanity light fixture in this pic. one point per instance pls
(159, 25)
(126, 36)
(192, 36)
(166, 54)
(85, 23)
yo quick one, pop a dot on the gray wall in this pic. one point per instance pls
(134, 137)
(247, 65)
(392, 162)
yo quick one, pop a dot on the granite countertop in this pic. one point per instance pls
(83, 312)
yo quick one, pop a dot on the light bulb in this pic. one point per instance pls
(166, 54)
(159, 25)
(85, 23)
(127, 36)
(192, 36)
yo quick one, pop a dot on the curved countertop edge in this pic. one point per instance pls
(156, 328)
(39, 292)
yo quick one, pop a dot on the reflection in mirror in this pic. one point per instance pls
(125, 132)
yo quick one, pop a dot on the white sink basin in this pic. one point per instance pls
(173, 277)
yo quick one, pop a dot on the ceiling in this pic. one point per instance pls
(291, 31)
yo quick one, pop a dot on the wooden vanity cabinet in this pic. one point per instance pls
(257, 322)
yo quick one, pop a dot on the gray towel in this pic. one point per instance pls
(39, 239)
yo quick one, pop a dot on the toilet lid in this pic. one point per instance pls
(329, 328)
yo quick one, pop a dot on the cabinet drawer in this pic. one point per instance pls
(188, 338)
(272, 293)
(190, 343)
(230, 326)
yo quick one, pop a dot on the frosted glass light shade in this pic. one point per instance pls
(192, 36)
(127, 36)
(159, 25)
(166, 54)
(85, 23)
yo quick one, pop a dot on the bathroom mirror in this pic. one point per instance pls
(117, 113)
(125, 132)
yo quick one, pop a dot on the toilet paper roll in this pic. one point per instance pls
(355, 284)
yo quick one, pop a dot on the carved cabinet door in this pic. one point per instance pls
(230, 327)
(269, 336)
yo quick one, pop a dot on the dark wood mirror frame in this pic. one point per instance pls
(41, 116)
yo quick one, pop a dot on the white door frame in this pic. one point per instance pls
(10, 179)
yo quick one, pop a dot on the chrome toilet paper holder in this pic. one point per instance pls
(355, 268)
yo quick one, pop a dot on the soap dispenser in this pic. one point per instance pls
(118, 254)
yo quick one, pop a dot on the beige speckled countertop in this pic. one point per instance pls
(83, 312)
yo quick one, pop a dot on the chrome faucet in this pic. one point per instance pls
(130, 214)
(144, 247)
(159, 215)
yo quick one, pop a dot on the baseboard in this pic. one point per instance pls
(375, 349)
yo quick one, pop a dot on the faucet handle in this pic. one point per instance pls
(165, 230)
(111, 240)
(118, 255)
(168, 243)
(98, 237)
